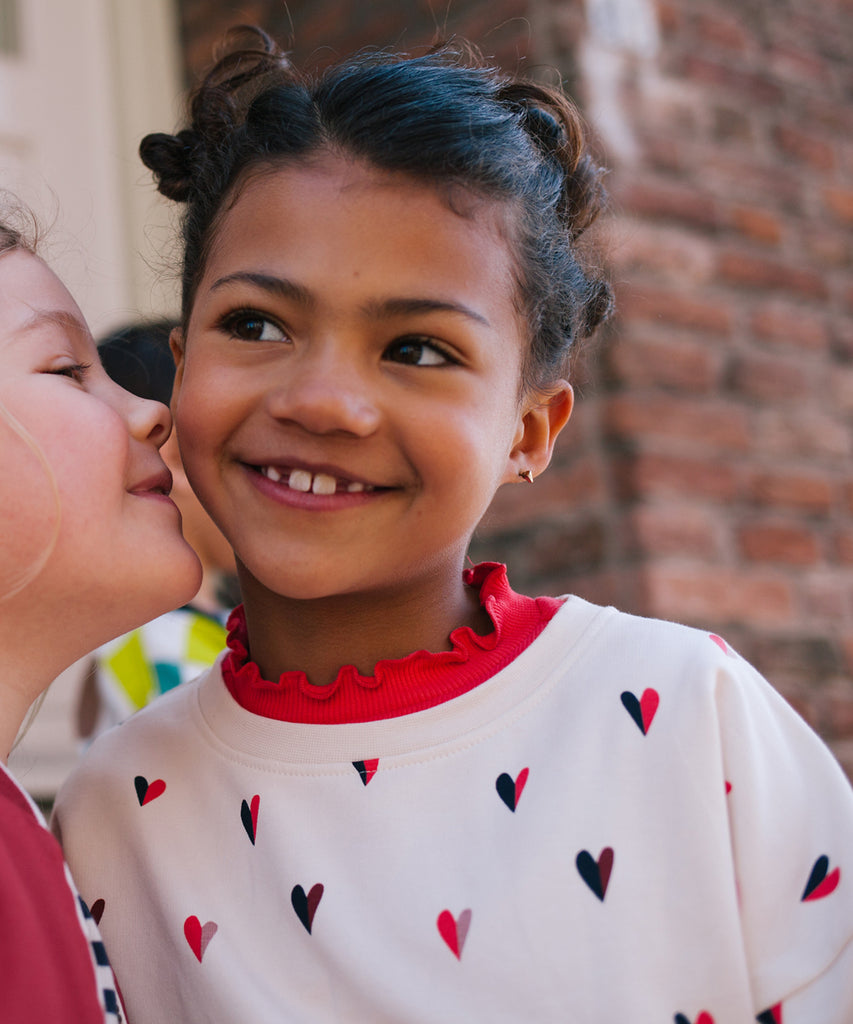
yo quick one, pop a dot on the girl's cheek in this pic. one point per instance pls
(29, 512)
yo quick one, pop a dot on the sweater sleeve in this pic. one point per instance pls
(48, 971)
(791, 815)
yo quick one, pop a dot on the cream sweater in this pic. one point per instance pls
(624, 824)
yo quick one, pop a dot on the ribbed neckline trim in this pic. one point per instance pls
(400, 686)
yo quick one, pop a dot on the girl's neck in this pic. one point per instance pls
(318, 636)
(25, 676)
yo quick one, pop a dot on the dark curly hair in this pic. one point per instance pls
(445, 118)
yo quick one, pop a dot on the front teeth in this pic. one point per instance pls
(317, 483)
(299, 480)
(322, 484)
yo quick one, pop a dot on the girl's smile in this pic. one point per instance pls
(347, 397)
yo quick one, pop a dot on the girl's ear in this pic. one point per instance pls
(176, 344)
(545, 416)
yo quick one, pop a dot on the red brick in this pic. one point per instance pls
(647, 475)
(701, 594)
(673, 529)
(670, 17)
(805, 492)
(825, 599)
(829, 112)
(723, 30)
(750, 182)
(806, 148)
(841, 383)
(732, 125)
(838, 712)
(767, 378)
(618, 587)
(791, 326)
(788, 429)
(668, 200)
(843, 335)
(643, 250)
(708, 424)
(749, 271)
(795, 653)
(799, 66)
(669, 306)
(760, 225)
(749, 86)
(777, 542)
(681, 365)
(839, 202)
(828, 247)
(843, 546)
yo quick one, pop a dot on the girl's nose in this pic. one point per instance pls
(325, 396)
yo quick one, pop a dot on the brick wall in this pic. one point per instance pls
(707, 474)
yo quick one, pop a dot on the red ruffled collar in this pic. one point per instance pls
(401, 686)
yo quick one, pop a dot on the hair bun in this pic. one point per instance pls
(544, 128)
(172, 159)
(599, 306)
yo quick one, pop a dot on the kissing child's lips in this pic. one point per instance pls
(159, 483)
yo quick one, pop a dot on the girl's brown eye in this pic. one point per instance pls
(253, 327)
(416, 352)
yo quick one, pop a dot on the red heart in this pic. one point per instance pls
(520, 783)
(454, 931)
(198, 936)
(828, 885)
(366, 769)
(648, 707)
(643, 710)
(306, 905)
(146, 792)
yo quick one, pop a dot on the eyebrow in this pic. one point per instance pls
(56, 318)
(378, 309)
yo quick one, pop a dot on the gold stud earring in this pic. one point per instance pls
(525, 474)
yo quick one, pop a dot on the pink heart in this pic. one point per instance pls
(454, 931)
(198, 936)
(720, 642)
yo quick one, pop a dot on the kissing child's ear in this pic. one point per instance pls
(543, 416)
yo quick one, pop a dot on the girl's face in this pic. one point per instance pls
(347, 397)
(89, 486)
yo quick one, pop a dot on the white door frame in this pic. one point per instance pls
(92, 77)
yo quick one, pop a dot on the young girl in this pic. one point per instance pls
(406, 793)
(91, 545)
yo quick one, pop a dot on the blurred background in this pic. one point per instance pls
(707, 474)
